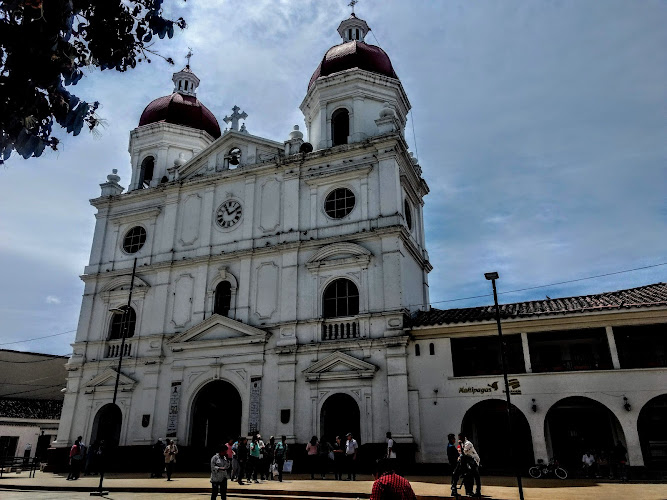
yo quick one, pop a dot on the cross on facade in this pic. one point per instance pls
(188, 56)
(234, 119)
(352, 4)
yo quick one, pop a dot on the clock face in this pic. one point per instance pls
(228, 214)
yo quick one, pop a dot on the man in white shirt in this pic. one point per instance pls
(588, 461)
(468, 452)
(391, 452)
(351, 447)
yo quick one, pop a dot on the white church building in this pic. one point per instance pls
(281, 287)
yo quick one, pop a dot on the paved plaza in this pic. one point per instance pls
(138, 486)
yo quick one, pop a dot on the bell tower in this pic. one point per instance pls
(353, 87)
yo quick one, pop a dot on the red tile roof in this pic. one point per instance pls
(632, 298)
(181, 110)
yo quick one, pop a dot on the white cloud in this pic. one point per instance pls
(52, 299)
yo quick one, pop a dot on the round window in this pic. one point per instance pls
(339, 203)
(408, 214)
(134, 239)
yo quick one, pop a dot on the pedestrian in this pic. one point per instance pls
(270, 456)
(281, 456)
(75, 459)
(220, 466)
(170, 452)
(253, 459)
(242, 457)
(312, 449)
(619, 459)
(235, 460)
(351, 448)
(469, 454)
(158, 458)
(339, 458)
(261, 465)
(230, 457)
(325, 450)
(90, 459)
(588, 463)
(391, 450)
(453, 459)
(389, 485)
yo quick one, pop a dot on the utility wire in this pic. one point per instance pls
(38, 338)
(551, 284)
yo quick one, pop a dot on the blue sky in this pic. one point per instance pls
(541, 128)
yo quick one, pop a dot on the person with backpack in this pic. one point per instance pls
(75, 460)
(220, 466)
(281, 456)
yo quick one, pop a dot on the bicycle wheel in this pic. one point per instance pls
(560, 473)
(535, 472)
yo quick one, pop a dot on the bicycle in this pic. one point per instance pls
(542, 470)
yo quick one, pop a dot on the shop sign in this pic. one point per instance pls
(515, 388)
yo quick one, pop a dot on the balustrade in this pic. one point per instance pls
(340, 329)
(113, 349)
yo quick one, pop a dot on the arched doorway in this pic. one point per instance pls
(653, 432)
(216, 415)
(576, 424)
(340, 415)
(106, 425)
(486, 426)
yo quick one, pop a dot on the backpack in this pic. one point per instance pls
(280, 450)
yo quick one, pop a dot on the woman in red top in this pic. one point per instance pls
(74, 461)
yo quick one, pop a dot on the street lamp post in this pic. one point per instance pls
(493, 276)
(123, 329)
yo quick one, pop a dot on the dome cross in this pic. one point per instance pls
(352, 4)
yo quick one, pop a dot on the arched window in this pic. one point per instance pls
(223, 298)
(340, 126)
(120, 321)
(146, 173)
(417, 352)
(341, 298)
(431, 348)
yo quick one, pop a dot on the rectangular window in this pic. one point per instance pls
(569, 350)
(481, 355)
(641, 346)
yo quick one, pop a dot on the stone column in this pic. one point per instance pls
(526, 352)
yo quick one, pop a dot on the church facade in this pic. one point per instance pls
(273, 279)
(282, 287)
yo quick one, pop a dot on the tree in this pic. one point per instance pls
(45, 44)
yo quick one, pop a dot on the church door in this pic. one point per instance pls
(216, 416)
(340, 415)
(106, 425)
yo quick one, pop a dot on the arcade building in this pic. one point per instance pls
(281, 287)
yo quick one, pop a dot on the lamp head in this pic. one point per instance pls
(491, 276)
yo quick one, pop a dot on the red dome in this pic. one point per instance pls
(183, 110)
(354, 54)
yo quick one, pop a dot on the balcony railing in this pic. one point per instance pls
(340, 329)
(112, 349)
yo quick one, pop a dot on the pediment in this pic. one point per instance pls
(218, 330)
(337, 366)
(254, 150)
(106, 381)
(339, 255)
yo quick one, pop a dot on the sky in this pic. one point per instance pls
(541, 129)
